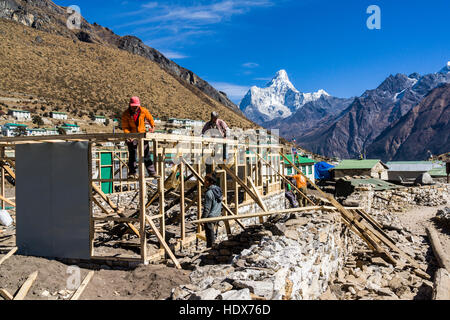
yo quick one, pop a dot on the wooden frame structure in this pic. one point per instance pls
(248, 172)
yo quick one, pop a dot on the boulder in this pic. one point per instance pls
(208, 294)
(424, 180)
(259, 288)
(237, 295)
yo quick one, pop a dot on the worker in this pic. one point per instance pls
(302, 184)
(212, 207)
(220, 126)
(216, 123)
(289, 193)
(134, 121)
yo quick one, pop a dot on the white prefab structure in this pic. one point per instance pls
(58, 115)
(36, 132)
(20, 115)
(10, 129)
(100, 119)
(71, 128)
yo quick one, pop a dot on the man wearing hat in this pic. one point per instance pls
(219, 126)
(133, 121)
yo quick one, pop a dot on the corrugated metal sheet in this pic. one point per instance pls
(416, 166)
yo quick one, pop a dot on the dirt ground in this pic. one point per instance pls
(152, 282)
(419, 218)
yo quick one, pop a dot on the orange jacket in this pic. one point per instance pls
(129, 126)
(301, 181)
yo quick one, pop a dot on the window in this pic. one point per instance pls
(310, 170)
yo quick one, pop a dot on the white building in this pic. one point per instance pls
(20, 115)
(100, 119)
(36, 132)
(51, 132)
(58, 115)
(10, 129)
(71, 128)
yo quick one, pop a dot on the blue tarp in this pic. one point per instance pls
(322, 170)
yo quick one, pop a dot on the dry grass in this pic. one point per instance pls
(78, 76)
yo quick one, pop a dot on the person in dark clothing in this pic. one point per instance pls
(290, 194)
(212, 207)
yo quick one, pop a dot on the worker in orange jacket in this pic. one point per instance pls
(134, 121)
(302, 184)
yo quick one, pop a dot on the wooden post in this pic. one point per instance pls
(199, 195)
(161, 189)
(182, 202)
(236, 186)
(2, 183)
(91, 213)
(142, 201)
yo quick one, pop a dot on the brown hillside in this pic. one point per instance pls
(78, 76)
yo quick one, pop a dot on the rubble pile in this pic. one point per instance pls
(292, 259)
(369, 277)
(443, 217)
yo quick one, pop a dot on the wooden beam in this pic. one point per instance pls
(256, 215)
(142, 198)
(6, 295)
(250, 181)
(163, 242)
(82, 286)
(182, 203)
(439, 252)
(8, 255)
(26, 286)
(2, 198)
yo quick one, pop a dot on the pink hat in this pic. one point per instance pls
(135, 102)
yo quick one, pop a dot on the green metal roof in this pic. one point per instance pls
(299, 160)
(100, 117)
(55, 112)
(71, 125)
(15, 125)
(356, 164)
(379, 185)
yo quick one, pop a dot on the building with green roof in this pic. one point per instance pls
(365, 168)
(303, 163)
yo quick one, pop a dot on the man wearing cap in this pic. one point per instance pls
(133, 121)
(217, 124)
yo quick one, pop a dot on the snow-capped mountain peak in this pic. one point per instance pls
(278, 99)
(446, 69)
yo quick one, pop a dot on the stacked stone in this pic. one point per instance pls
(294, 259)
(399, 200)
(443, 217)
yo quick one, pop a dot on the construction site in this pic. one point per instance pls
(72, 205)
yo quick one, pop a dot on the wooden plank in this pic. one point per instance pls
(26, 286)
(441, 290)
(256, 215)
(182, 203)
(6, 295)
(2, 198)
(8, 255)
(163, 243)
(82, 286)
(142, 198)
(438, 251)
(78, 137)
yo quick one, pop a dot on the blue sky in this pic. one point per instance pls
(235, 44)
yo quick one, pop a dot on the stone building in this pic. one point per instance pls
(368, 168)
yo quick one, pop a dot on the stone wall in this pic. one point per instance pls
(273, 202)
(399, 200)
(290, 258)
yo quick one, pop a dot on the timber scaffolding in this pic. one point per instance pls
(255, 166)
